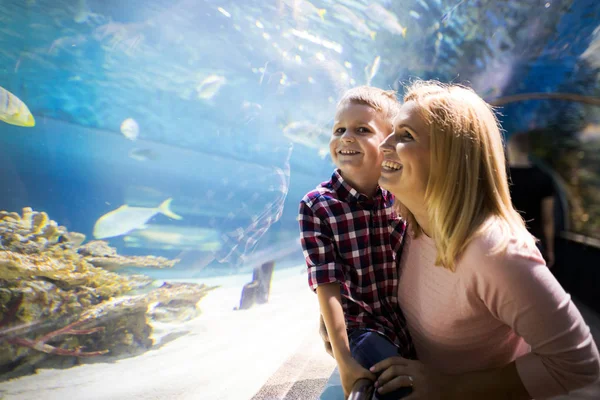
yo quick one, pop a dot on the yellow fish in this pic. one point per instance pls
(13, 111)
(385, 18)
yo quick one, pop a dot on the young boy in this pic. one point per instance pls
(350, 237)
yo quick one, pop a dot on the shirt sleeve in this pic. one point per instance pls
(319, 249)
(520, 290)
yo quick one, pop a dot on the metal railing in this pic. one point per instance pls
(576, 237)
(362, 390)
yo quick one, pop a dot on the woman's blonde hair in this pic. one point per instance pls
(467, 182)
(384, 102)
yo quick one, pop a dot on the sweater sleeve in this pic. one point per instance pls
(519, 290)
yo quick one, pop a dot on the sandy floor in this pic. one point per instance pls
(222, 354)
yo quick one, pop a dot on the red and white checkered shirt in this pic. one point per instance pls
(353, 240)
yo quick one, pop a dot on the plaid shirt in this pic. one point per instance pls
(353, 240)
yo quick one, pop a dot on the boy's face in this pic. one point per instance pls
(354, 146)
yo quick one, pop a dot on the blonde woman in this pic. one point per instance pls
(488, 319)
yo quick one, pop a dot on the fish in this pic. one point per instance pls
(143, 154)
(423, 4)
(83, 14)
(180, 237)
(308, 134)
(385, 18)
(414, 14)
(345, 15)
(438, 44)
(224, 12)
(13, 111)
(252, 108)
(173, 238)
(328, 44)
(126, 219)
(448, 14)
(304, 8)
(336, 72)
(130, 129)
(371, 70)
(209, 86)
(250, 111)
(355, 4)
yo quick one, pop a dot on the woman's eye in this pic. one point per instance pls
(407, 136)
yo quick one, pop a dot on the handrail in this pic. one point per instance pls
(578, 238)
(579, 98)
(362, 390)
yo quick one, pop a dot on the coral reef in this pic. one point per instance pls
(34, 233)
(100, 254)
(61, 303)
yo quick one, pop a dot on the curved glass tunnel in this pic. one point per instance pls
(149, 245)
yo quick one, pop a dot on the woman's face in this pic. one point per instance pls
(405, 168)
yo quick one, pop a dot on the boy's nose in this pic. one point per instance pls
(346, 138)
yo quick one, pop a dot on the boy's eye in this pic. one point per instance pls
(361, 130)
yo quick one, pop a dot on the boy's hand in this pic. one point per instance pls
(350, 372)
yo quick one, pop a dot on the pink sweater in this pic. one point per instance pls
(493, 310)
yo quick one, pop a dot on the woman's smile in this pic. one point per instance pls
(390, 166)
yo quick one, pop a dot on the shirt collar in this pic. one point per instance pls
(349, 194)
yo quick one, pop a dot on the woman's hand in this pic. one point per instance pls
(350, 372)
(397, 372)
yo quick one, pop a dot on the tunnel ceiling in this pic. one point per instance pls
(228, 78)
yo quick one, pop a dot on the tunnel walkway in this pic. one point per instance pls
(307, 374)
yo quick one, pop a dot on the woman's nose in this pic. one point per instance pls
(386, 146)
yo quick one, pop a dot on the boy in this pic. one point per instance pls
(350, 237)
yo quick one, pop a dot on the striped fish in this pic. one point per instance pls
(13, 111)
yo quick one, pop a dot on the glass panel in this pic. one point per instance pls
(568, 140)
(153, 155)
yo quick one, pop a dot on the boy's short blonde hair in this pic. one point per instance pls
(382, 101)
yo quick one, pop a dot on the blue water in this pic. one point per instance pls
(218, 90)
(84, 66)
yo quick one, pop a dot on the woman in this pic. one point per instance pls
(488, 319)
